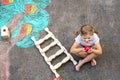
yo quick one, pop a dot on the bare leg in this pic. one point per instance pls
(93, 62)
(77, 67)
(85, 60)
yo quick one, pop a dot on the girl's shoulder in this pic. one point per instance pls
(79, 36)
(95, 35)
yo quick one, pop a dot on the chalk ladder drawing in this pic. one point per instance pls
(59, 52)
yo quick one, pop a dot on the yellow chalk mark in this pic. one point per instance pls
(28, 29)
(11, 1)
(33, 9)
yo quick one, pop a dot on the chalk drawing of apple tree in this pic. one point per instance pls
(25, 18)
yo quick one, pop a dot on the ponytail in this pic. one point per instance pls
(95, 31)
(77, 33)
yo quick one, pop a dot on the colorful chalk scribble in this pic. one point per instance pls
(25, 18)
(35, 18)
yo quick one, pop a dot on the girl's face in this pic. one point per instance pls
(87, 38)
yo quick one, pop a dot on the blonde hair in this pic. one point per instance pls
(86, 29)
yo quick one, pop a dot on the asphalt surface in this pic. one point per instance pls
(66, 18)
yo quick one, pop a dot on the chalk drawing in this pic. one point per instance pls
(24, 19)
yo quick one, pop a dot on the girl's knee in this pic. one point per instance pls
(94, 55)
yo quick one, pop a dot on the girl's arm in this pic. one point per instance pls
(97, 50)
(76, 48)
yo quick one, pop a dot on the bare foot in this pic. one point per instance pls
(77, 67)
(93, 62)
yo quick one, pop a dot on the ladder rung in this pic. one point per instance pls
(56, 54)
(43, 39)
(60, 63)
(50, 45)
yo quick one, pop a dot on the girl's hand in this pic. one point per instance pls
(91, 50)
(82, 49)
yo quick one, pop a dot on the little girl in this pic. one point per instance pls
(87, 46)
